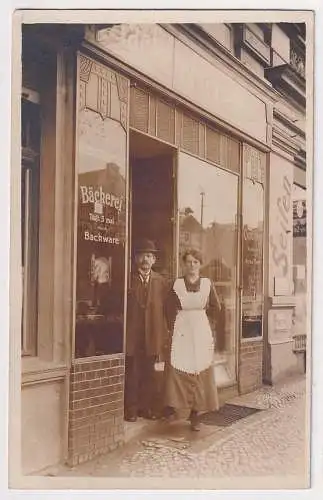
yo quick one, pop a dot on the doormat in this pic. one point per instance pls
(227, 415)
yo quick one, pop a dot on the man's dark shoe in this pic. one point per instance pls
(130, 418)
(149, 415)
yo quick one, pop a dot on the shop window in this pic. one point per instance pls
(252, 243)
(101, 217)
(299, 259)
(30, 140)
(208, 200)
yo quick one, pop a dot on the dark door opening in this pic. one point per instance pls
(153, 198)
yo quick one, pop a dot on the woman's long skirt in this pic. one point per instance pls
(187, 391)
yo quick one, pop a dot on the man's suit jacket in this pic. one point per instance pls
(151, 318)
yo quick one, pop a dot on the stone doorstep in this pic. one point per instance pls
(133, 430)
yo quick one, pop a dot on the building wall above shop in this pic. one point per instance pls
(180, 64)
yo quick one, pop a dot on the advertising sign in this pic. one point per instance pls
(101, 213)
(299, 218)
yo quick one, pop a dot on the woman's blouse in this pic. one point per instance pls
(173, 305)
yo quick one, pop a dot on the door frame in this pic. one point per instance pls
(238, 318)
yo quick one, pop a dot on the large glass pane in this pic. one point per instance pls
(30, 143)
(252, 258)
(207, 198)
(299, 259)
(101, 222)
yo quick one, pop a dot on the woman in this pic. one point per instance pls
(191, 309)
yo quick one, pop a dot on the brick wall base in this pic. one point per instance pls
(96, 424)
(250, 366)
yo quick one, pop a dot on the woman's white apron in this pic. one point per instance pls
(192, 343)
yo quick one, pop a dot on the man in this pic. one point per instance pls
(146, 334)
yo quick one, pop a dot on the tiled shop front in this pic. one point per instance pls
(191, 148)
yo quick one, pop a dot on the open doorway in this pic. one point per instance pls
(152, 198)
(151, 216)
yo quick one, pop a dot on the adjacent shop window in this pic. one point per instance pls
(30, 142)
(101, 220)
(208, 200)
(299, 259)
(252, 243)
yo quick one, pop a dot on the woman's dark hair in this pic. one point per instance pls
(194, 253)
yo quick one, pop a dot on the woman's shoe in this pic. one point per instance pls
(169, 414)
(195, 427)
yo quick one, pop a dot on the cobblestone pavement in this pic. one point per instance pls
(270, 442)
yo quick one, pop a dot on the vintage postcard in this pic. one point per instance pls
(160, 322)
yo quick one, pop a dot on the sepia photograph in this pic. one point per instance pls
(161, 218)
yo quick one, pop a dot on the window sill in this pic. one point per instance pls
(35, 370)
(252, 339)
(287, 301)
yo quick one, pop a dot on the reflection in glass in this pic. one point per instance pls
(299, 259)
(252, 258)
(101, 236)
(207, 221)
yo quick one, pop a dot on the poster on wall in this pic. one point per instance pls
(299, 218)
(101, 219)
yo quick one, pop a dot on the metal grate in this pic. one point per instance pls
(213, 140)
(202, 140)
(230, 153)
(165, 122)
(152, 115)
(190, 134)
(227, 415)
(139, 109)
(156, 117)
(299, 343)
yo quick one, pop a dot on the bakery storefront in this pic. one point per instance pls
(148, 166)
(157, 152)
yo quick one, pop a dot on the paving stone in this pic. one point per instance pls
(270, 442)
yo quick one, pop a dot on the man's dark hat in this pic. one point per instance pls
(145, 245)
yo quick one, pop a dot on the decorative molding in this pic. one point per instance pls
(104, 72)
(289, 123)
(285, 142)
(96, 85)
(259, 49)
(44, 374)
(297, 61)
(254, 164)
(289, 83)
(152, 85)
(103, 103)
(85, 68)
(82, 89)
(122, 85)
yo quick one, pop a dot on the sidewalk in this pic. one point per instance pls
(270, 442)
